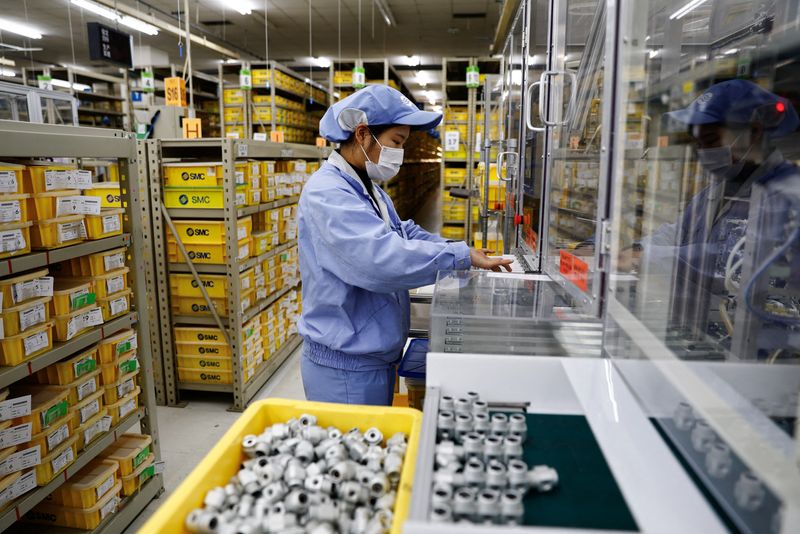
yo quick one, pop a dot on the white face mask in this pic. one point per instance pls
(719, 160)
(388, 164)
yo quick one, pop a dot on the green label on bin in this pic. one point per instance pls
(128, 366)
(85, 366)
(147, 473)
(54, 413)
(141, 457)
(83, 300)
(124, 347)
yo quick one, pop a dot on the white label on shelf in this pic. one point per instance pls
(40, 287)
(90, 205)
(57, 437)
(80, 179)
(92, 431)
(8, 182)
(105, 423)
(13, 408)
(159, 468)
(241, 150)
(93, 317)
(67, 205)
(21, 460)
(71, 231)
(118, 306)
(12, 240)
(91, 409)
(261, 293)
(241, 199)
(32, 316)
(127, 408)
(54, 180)
(105, 486)
(85, 320)
(255, 167)
(287, 212)
(126, 387)
(109, 508)
(246, 282)
(239, 177)
(451, 140)
(244, 251)
(241, 232)
(62, 460)
(15, 435)
(115, 284)
(114, 261)
(35, 342)
(260, 136)
(10, 211)
(20, 487)
(111, 223)
(300, 166)
(87, 388)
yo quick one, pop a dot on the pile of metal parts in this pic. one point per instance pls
(479, 475)
(298, 477)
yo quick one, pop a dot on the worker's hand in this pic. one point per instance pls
(481, 260)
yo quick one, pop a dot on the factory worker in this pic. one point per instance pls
(750, 207)
(357, 258)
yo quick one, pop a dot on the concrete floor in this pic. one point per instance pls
(187, 434)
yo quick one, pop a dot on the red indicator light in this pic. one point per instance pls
(780, 107)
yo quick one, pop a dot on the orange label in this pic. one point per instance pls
(276, 137)
(575, 270)
(175, 91)
(321, 142)
(192, 128)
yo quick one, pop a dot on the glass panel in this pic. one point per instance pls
(492, 313)
(14, 107)
(706, 243)
(492, 121)
(575, 91)
(57, 111)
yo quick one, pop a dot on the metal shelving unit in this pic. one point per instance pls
(25, 140)
(228, 151)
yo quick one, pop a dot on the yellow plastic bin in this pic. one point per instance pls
(204, 362)
(109, 283)
(50, 439)
(57, 461)
(67, 371)
(211, 349)
(51, 204)
(22, 317)
(88, 485)
(92, 429)
(20, 288)
(205, 376)
(108, 192)
(200, 174)
(48, 406)
(125, 406)
(70, 294)
(122, 387)
(81, 388)
(16, 239)
(113, 347)
(58, 232)
(130, 450)
(201, 197)
(197, 306)
(87, 408)
(13, 208)
(80, 518)
(105, 262)
(143, 473)
(205, 252)
(225, 458)
(115, 305)
(184, 285)
(11, 178)
(40, 178)
(76, 323)
(124, 364)
(16, 349)
(107, 224)
(210, 232)
(199, 333)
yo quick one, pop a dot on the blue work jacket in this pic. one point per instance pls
(357, 262)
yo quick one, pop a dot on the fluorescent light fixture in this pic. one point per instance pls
(242, 6)
(97, 9)
(76, 86)
(687, 8)
(112, 15)
(421, 79)
(7, 62)
(386, 13)
(321, 62)
(731, 51)
(138, 25)
(8, 73)
(20, 29)
(411, 61)
(653, 53)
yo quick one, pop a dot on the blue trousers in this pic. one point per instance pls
(326, 384)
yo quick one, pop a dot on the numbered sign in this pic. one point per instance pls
(175, 91)
(452, 139)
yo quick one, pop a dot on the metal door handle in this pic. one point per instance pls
(572, 97)
(498, 165)
(529, 107)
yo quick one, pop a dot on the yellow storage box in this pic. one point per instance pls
(111, 348)
(104, 262)
(210, 232)
(40, 178)
(73, 324)
(87, 408)
(115, 305)
(200, 174)
(122, 387)
(11, 178)
(24, 287)
(129, 451)
(81, 388)
(67, 371)
(48, 406)
(109, 283)
(13, 208)
(70, 294)
(203, 376)
(204, 362)
(184, 285)
(52, 204)
(201, 197)
(203, 349)
(79, 518)
(16, 349)
(95, 427)
(50, 439)
(124, 364)
(198, 333)
(124, 406)
(88, 485)
(131, 483)
(107, 224)
(21, 317)
(108, 192)
(225, 458)
(57, 461)
(58, 232)
(205, 253)
(15, 239)
(232, 96)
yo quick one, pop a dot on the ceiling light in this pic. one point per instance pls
(97, 9)
(421, 79)
(8, 73)
(20, 29)
(411, 61)
(7, 62)
(687, 8)
(138, 25)
(386, 13)
(653, 54)
(321, 62)
(242, 6)
(110, 14)
(731, 51)
(76, 86)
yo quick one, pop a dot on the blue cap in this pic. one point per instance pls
(740, 102)
(374, 105)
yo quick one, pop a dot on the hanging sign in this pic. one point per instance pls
(192, 128)
(473, 77)
(452, 139)
(359, 77)
(148, 82)
(322, 142)
(45, 82)
(175, 91)
(245, 79)
(276, 137)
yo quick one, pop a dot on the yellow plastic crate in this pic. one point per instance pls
(262, 242)
(198, 333)
(16, 239)
(202, 376)
(84, 519)
(57, 461)
(202, 349)
(115, 305)
(20, 288)
(43, 178)
(107, 224)
(202, 174)
(67, 371)
(205, 253)
(50, 439)
(111, 348)
(16, 349)
(14, 208)
(198, 306)
(73, 324)
(109, 283)
(209, 232)
(58, 232)
(125, 406)
(91, 429)
(109, 193)
(21, 317)
(11, 177)
(87, 408)
(225, 458)
(200, 197)
(48, 406)
(233, 96)
(124, 364)
(122, 387)
(233, 114)
(88, 485)
(129, 451)
(131, 483)
(80, 388)
(204, 362)
(105, 262)
(70, 294)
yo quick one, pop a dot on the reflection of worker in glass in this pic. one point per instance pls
(740, 236)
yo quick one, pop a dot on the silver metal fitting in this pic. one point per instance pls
(279, 521)
(683, 416)
(364, 475)
(353, 492)
(304, 451)
(249, 445)
(441, 493)
(307, 420)
(472, 444)
(327, 512)
(274, 493)
(487, 505)
(373, 460)
(463, 405)
(373, 436)
(450, 448)
(386, 502)
(319, 484)
(518, 423)
(287, 446)
(378, 485)
(357, 448)
(480, 406)
(249, 481)
(749, 491)
(447, 462)
(322, 528)
(215, 499)
(464, 424)
(481, 422)
(315, 434)
(703, 436)
(399, 450)
(200, 521)
(499, 423)
(473, 396)
(442, 513)
(263, 447)
(512, 448)
(295, 474)
(475, 472)
(335, 454)
(325, 445)
(245, 506)
(317, 468)
(446, 403)
(542, 478)
(464, 503)
(719, 460)
(334, 432)
(279, 431)
(511, 508)
(343, 471)
(296, 502)
(492, 448)
(392, 466)
(496, 475)
(517, 474)
(448, 478)
(380, 523)
(396, 440)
